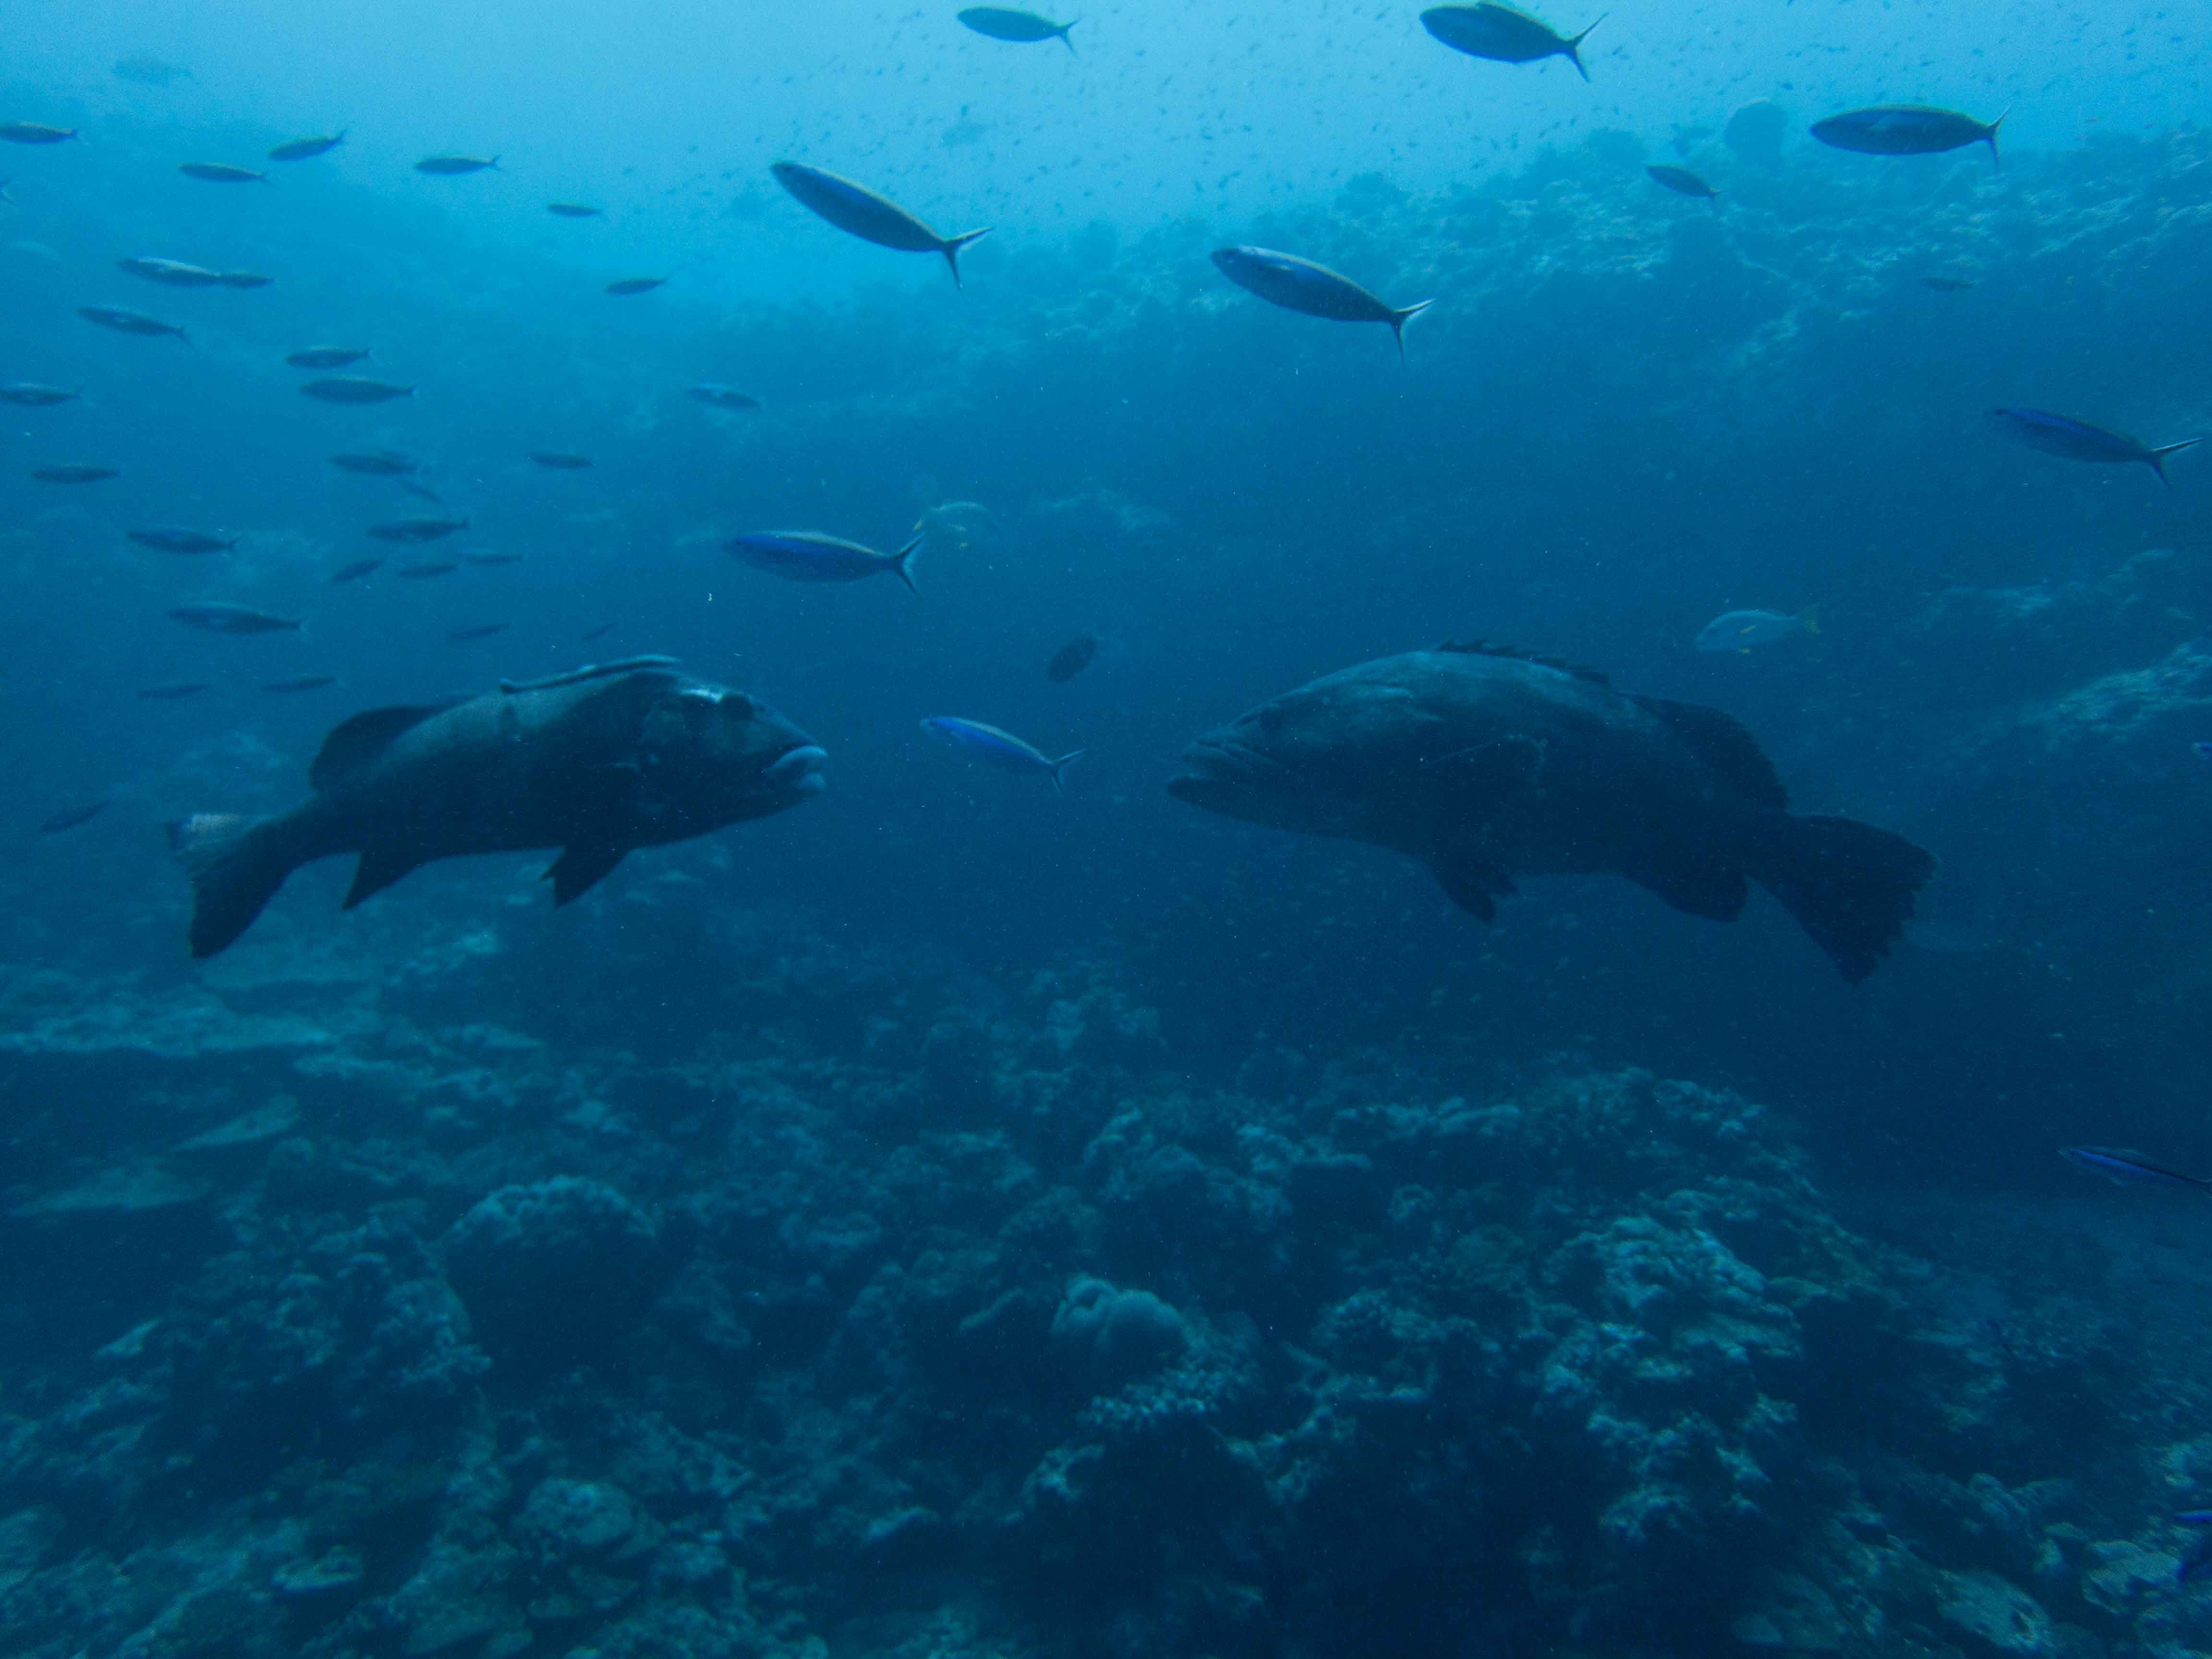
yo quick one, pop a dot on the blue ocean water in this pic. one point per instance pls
(945, 1213)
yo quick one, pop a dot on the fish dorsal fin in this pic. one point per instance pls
(1484, 648)
(1723, 745)
(355, 743)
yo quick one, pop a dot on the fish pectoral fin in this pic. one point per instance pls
(378, 869)
(581, 868)
(1475, 887)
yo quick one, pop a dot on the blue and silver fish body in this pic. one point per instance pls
(127, 322)
(1740, 630)
(1296, 284)
(808, 556)
(860, 212)
(723, 397)
(1504, 35)
(1023, 28)
(2078, 441)
(1001, 748)
(175, 273)
(2129, 1168)
(1906, 129)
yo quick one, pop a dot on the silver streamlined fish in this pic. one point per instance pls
(858, 211)
(597, 763)
(1504, 35)
(1296, 284)
(1488, 765)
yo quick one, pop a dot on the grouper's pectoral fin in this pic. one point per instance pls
(581, 868)
(1473, 886)
(378, 869)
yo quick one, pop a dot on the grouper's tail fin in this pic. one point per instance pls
(1850, 885)
(235, 868)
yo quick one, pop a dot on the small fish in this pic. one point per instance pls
(246, 279)
(326, 357)
(1682, 182)
(2078, 441)
(181, 541)
(808, 556)
(1946, 284)
(70, 817)
(860, 212)
(560, 460)
(1740, 630)
(145, 71)
(221, 172)
(354, 389)
(574, 210)
(723, 397)
(1296, 284)
(300, 682)
(174, 691)
(480, 631)
(490, 560)
(446, 166)
(628, 285)
(2127, 1168)
(127, 322)
(33, 132)
(1001, 748)
(306, 149)
(376, 463)
(590, 671)
(422, 491)
(217, 617)
(1071, 659)
(31, 395)
(417, 530)
(427, 568)
(175, 273)
(1504, 35)
(1004, 23)
(354, 569)
(1906, 129)
(599, 633)
(68, 474)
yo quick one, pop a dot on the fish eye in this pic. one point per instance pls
(1270, 720)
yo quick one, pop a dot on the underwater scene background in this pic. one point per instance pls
(955, 1217)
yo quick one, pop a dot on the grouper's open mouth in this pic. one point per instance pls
(1219, 774)
(801, 769)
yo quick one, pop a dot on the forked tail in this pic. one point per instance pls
(951, 247)
(236, 866)
(1062, 765)
(2157, 456)
(1574, 47)
(1850, 885)
(1400, 317)
(1990, 137)
(902, 561)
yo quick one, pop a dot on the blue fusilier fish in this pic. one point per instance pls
(1296, 284)
(597, 767)
(220, 173)
(1504, 35)
(1004, 23)
(808, 556)
(872, 218)
(354, 389)
(1906, 129)
(175, 273)
(306, 149)
(127, 322)
(2078, 441)
(1001, 748)
(35, 132)
(723, 397)
(1681, 181)
(326, 357)
(2129, 1170)
(450, 166)
(1740, 630)
(1488, 765)
(169, 540)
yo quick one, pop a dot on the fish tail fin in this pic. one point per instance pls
(235, 865)
(902, 561)
(1400, 317)
(1064, 29)
(1989, 136)
(1574, 45)
(1059, 788)
(1850, 885)
(2156, 457)
(952, 247)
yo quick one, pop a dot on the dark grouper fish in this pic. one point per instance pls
(1486, 764)
(596, 764)
(1296, 284)
(859, 211)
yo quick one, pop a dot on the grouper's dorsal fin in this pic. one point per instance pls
(1484, 648)
(1725, 746)
(353, 743)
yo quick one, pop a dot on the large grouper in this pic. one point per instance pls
(1488, 764)
(610, 758)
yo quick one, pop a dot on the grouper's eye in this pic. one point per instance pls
(1269, 720)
